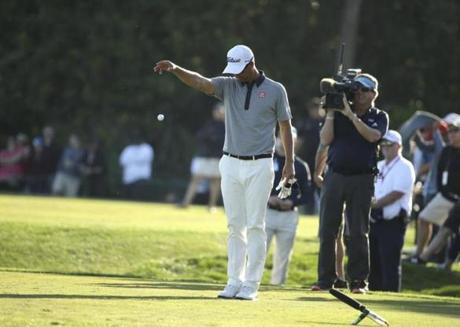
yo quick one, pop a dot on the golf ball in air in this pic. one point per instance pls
(160, 117)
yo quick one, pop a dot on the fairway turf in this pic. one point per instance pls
(116, 263)
(28, 299)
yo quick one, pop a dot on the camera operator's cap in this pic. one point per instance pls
(367, 80)
(237, 59)
(393, 137)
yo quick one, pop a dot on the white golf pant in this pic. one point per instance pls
(283, 226)
(246, 186)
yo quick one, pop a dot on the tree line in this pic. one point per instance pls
(86, 66)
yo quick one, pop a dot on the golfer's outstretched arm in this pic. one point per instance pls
(190, 78)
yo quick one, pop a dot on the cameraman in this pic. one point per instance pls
(352, 134)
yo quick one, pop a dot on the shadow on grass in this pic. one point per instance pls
(433, 307)
(101, 297)
(442, 307)
(315, 298)
(156, 285)
(328, 323)
(192, 286)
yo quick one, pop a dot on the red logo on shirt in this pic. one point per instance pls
(262, 94)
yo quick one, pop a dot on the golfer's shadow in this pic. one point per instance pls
(165, 285)
(103, 297)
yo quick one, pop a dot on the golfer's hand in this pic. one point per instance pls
(164, 66)
(319, 180)
(287, 180)
(285, 188)
(288, 171)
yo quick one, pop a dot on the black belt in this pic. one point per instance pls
(294, 208)
(254, 157)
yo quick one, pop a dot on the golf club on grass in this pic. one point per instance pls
(365, 312)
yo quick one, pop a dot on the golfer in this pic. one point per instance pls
(253, 105)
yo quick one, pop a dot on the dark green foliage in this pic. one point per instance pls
(87, 65)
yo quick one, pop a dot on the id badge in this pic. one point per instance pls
(445, 177)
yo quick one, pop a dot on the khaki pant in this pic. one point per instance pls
(281, 225)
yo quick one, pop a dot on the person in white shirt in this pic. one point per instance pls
(136, 161)
(391, 206)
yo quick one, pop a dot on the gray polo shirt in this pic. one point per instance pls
(251, 113)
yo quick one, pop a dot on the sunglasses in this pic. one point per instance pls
(386, 144)
(365, 89)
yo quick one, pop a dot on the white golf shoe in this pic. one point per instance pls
(247, 293)
(229, 292)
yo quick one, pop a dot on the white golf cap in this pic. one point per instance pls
(237, 59)
(451, 117)
(455, 123)
(393, 137)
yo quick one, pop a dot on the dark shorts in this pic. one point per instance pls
(453, 220)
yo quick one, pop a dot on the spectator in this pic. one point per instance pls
(94, 170)
(205, 166)
(23, 145)
(283, 215)
(423, 154)
(431, 148)
(308, 141)
(448, 182)
(422, 136)
(390, 208)
(37, 173)
(352, 136)
(51, 155)
(453, 249)
(12, 161)
(136, 162)
(449, 228)
(68, 176)
(429, 142)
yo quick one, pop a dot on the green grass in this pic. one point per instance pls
(45, 299)
(151, 264)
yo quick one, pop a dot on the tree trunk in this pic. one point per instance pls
(349, 31)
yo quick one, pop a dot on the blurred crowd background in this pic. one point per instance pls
(82, 71)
